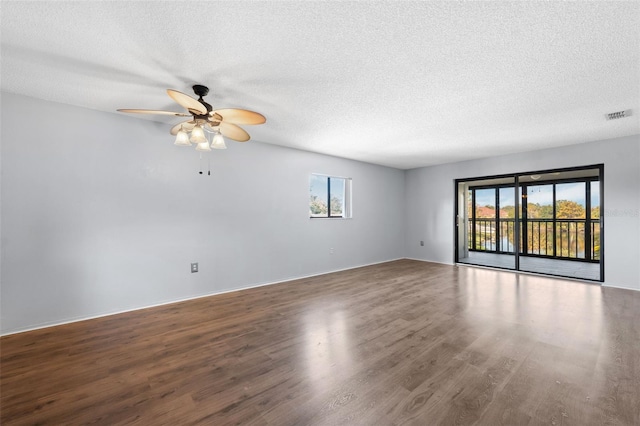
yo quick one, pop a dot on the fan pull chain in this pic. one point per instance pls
(208, 166)
(208, 156)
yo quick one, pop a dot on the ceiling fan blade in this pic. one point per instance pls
(187, 125)
(192, 105)
(240, 116)
(153, 111)
(232, 131)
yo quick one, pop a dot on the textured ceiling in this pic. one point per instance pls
(403, 84)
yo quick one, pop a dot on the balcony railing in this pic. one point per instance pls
(563, 238)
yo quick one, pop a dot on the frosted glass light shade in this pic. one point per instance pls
(203, 146)
(218, 142)
(182, 139)
(197, 135)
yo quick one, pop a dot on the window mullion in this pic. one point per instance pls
(328, 197)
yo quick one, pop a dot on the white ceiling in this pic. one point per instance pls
(403, 84)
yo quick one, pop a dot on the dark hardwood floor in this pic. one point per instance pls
(403, 342)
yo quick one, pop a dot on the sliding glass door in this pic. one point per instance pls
(544, 222)
(561, 223)
(486, 222)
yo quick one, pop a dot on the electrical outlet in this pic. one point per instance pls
(331, 250)
(194, 267)
(422, 243)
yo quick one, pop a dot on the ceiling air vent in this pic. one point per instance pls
(618, 114)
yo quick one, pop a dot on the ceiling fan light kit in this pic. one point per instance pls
(203, 146)
(182, 139)
(197, 135)
(218, 141)
(221, 123)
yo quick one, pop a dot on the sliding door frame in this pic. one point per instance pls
(517, 201)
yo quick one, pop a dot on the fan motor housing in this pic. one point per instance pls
(200, 90)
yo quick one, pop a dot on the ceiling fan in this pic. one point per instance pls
(220, 122)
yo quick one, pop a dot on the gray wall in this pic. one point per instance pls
(102, 213)
(430, 201)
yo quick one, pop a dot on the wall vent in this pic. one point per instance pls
(618, 114)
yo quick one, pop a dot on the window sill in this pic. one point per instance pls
(330, 218)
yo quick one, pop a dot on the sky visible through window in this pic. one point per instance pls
(337, 195)
(318, 186)
(542, 194)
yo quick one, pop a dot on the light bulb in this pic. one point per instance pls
(218, 142)
(182, 139)
(197, 135)
(203, 146)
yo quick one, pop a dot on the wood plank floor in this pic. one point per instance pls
(403, 342)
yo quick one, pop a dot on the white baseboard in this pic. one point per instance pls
(619, 287)
(431, 261)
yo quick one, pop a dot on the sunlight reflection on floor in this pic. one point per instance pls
(327, 346)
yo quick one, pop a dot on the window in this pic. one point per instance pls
(329, 196)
